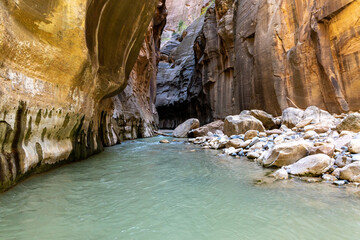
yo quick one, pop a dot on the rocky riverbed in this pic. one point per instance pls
(312, 144)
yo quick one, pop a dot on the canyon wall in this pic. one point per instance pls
(298, 53)
(72, 80)
(181, 14)
(274, 54)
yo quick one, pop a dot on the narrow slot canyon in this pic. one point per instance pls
(179, 119)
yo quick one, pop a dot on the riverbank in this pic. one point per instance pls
(312, 144)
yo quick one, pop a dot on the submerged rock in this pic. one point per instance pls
(182, 130)
(340, 182)
(281, 174)
(313, 165)
(164, 141)
(329, 178)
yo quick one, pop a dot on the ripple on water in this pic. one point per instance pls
(146, 190)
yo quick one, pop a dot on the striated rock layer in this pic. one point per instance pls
(298, 53)
(270, 55)
(64, 79)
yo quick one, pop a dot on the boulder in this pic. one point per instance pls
(236, 143)
(218, 143)
(240, 124)
(336, 173)
(343, 141)
(287, 153)
(350, 123)
(266, 118)
(230, 151)
(182, 130)
(211, 127)
(342, 161)
(281, 174)
(251, 134)
(253, 155)
(304, 123)
(354, 146)
(310, 135)
(351, 172)
(324, 148)
(292, 116)
(164, 141)
(313, 165)
(318, 116)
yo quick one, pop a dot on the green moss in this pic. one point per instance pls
(181, 26)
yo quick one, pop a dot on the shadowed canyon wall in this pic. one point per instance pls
(72, 80)
(274, 54)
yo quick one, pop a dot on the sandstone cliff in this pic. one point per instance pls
(64, 67)
(298, 52)
(274, 54)
(181, 13)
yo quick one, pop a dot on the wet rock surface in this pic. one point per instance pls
(72, 82)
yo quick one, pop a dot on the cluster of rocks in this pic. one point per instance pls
(301, 143)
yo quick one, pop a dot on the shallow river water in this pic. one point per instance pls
(146, 190)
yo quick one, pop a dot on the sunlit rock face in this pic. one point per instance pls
(272, 54)
(181, 13)
(63, 65)
(298, 53)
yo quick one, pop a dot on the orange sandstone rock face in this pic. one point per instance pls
(271, 55)
(62, 66)
(298, 53)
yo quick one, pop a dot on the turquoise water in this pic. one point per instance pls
(146, 190)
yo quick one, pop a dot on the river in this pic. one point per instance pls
(146, 190)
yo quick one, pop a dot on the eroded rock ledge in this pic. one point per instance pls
(72, 81)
